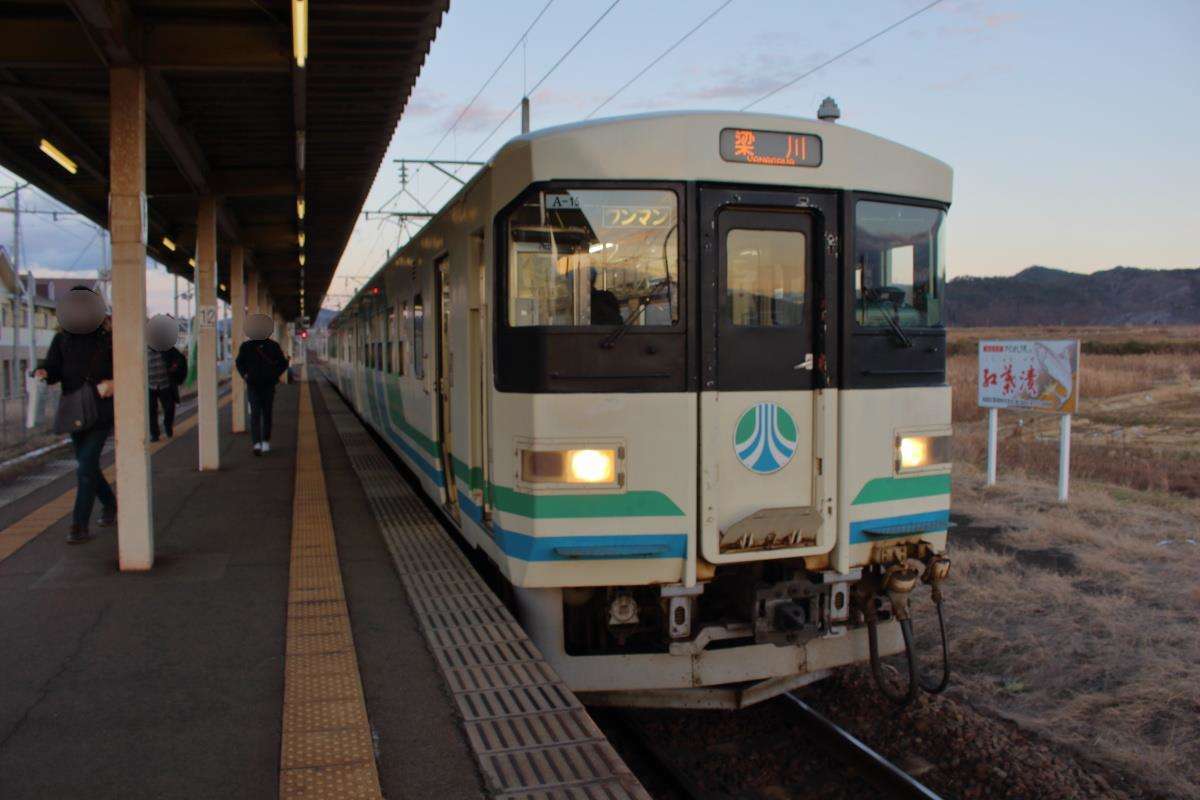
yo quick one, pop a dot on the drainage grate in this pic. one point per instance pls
(532, 737)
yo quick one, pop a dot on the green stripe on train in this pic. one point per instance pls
(564, 506)
(881, 490)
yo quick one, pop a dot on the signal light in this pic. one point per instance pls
(303, 334)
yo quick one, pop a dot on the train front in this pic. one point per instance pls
(729, 396)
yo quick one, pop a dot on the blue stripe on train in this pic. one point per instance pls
(870, 530)
(544, 548)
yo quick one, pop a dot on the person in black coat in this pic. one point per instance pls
(166, 369)
(260, 361)
(81, 358)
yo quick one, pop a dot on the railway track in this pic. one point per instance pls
(788, 750)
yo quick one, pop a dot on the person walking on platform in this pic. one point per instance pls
(260, 362)
(166, 368)
(80, 357)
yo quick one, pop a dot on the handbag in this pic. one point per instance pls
(78, 411)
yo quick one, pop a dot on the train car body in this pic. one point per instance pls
(681, 377)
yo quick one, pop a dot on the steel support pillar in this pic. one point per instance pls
(206, 332)
(127, 226)
(237, 307)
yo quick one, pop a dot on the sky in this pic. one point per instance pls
(1071, 125)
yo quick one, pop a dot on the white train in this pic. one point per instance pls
(681, 377)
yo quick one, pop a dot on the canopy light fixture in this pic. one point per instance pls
(192, 263)
(300, 238)
(302, 259)
(300, 207)
(167, 243)
(58, 156)
(222, 287)
(300, 31)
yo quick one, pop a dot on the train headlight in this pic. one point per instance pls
(921, 452)
(590, 466)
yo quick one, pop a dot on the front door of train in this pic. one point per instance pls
(766, 426)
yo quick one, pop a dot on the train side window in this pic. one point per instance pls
(418, 338)
(400, 321)
(765, 275)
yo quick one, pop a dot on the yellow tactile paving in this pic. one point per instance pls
(327, 751)
(24, 530)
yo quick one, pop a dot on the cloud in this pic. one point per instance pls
(480, 117)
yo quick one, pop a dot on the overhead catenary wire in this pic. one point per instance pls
(841, 55)
(531, 90)
(520, 39)
(659, 58)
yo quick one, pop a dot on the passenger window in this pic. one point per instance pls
(765, 277)
(418, 338)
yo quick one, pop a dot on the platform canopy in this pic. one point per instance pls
(230, 113)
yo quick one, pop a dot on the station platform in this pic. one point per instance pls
(308, 630)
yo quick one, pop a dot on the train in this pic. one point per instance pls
(680, 379)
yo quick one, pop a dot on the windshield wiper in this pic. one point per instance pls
(608, 341)
(892, 319)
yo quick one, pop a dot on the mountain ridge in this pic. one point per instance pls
(1040, 295)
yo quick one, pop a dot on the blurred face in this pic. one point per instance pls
(81, 311)
(259, 326)
(161, 332)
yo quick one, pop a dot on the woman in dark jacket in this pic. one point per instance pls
(260, 362)
(81, 357)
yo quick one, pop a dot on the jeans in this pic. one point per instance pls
(90, 479)
(167, 398)
(262, 399)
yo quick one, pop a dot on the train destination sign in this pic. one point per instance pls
(745, 146)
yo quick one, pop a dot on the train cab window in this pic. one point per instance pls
(594, 257)
(899, 265)
(766, 277)
(418, 338)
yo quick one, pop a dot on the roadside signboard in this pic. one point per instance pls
(1035, 376)
(1038, 375)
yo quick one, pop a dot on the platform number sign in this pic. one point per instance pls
(207, 317)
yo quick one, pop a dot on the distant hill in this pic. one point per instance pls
(1046, 296)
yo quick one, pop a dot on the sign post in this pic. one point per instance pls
(1036, 376)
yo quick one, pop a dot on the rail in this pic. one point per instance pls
(703, 777)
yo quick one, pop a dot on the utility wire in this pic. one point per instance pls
(532, 89)
(659, 58)
(842, 54)
(478, 92)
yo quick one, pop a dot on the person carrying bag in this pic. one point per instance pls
(260, 362)
(80, 358)
(166, 369)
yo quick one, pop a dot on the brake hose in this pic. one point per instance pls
(910, 694)
(939, 687)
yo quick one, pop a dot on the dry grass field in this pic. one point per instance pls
(1081, 622)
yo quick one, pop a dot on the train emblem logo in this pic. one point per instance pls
(765, 438)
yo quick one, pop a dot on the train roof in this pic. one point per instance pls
(683, 145)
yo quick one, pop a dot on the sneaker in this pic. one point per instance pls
(258, 448)
(153, 439)
(266, 447)
(78, 535)
(108, 517)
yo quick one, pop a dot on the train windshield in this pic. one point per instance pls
(899, 265)
(591, 257)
